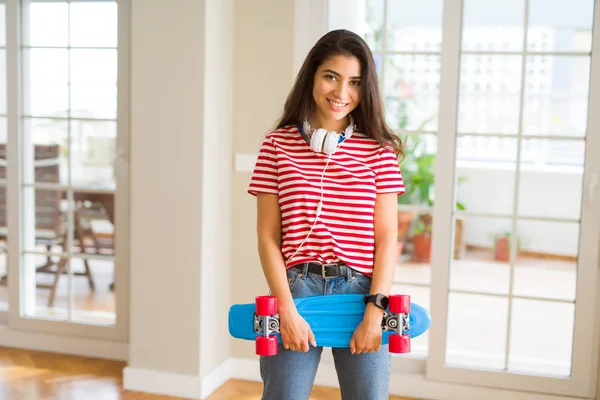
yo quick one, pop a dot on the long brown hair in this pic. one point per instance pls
(369, 115)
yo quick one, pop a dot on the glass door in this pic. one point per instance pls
(70, 184)
(518, 148)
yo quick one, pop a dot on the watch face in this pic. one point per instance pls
(382, 300)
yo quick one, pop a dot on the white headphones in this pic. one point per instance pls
(323, 141)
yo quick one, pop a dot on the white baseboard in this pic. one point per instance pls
(108, 349)
(168, 384)
(163, 383)
(217, 377)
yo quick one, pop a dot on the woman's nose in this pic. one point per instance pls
(341, 91)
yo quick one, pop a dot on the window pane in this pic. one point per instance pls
(93, 154)
(46, 75)
(493, 26)
(3, 278)
(538, 326)
(93, 24)
(47, 160)
(94, 84)
(415, 227)
(483, 267)
(547, 262)
(45, 304)
(414, 25)
(3, 218)
(3, 93)
(99, 306)
(418, 168)
(94, 222)
(489, 94)
(374, 24)
(555, 27)
(551, 178)
(46, 23)
(485, 170)
(412, 91)
(2, 24)
(476, 337)
(44, 220)
(3, 141)
(556, 95)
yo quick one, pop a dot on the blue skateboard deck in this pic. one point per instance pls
(332, 318)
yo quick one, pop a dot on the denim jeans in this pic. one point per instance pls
(290, 374)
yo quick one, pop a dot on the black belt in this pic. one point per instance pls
(325, 270)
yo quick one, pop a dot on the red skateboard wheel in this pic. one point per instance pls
(266, 305)
(266, 346)
(399, 343)
(399, 303)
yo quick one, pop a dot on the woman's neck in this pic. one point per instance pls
(328, 124)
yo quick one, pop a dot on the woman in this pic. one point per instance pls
(327, 181)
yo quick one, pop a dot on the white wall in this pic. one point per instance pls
(263, 75)
(167, 86)
(181, 133)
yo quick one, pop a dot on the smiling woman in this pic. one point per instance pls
(326, 219)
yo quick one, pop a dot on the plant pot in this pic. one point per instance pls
(404, 221)
(502, 249)
(422, 248)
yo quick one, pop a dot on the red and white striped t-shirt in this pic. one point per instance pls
(359, 170)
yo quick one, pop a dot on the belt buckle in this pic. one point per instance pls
(324, 274)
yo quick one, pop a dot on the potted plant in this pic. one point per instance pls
(502, 243)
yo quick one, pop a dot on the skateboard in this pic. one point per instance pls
(332, 318)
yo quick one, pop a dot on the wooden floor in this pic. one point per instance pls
(32, 375)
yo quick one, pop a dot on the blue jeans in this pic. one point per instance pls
(290, 374)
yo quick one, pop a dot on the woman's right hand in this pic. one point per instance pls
(295, 331)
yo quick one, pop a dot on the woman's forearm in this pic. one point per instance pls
(274, 270)
(384, 267)
(383, 273)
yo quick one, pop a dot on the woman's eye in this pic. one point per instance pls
(332, 77)
(355, 83)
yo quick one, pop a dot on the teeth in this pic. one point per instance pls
(335, 103)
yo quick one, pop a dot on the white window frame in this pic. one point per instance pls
(14, 318)
(587, 341)
(584, 375)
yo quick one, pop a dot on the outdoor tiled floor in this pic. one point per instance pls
(477, 323)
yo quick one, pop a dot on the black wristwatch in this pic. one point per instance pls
(380, 300)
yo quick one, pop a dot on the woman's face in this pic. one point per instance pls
(336, 91)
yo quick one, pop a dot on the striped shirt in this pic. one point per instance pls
(359, 170)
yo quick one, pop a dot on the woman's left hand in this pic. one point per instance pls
(366, 337)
